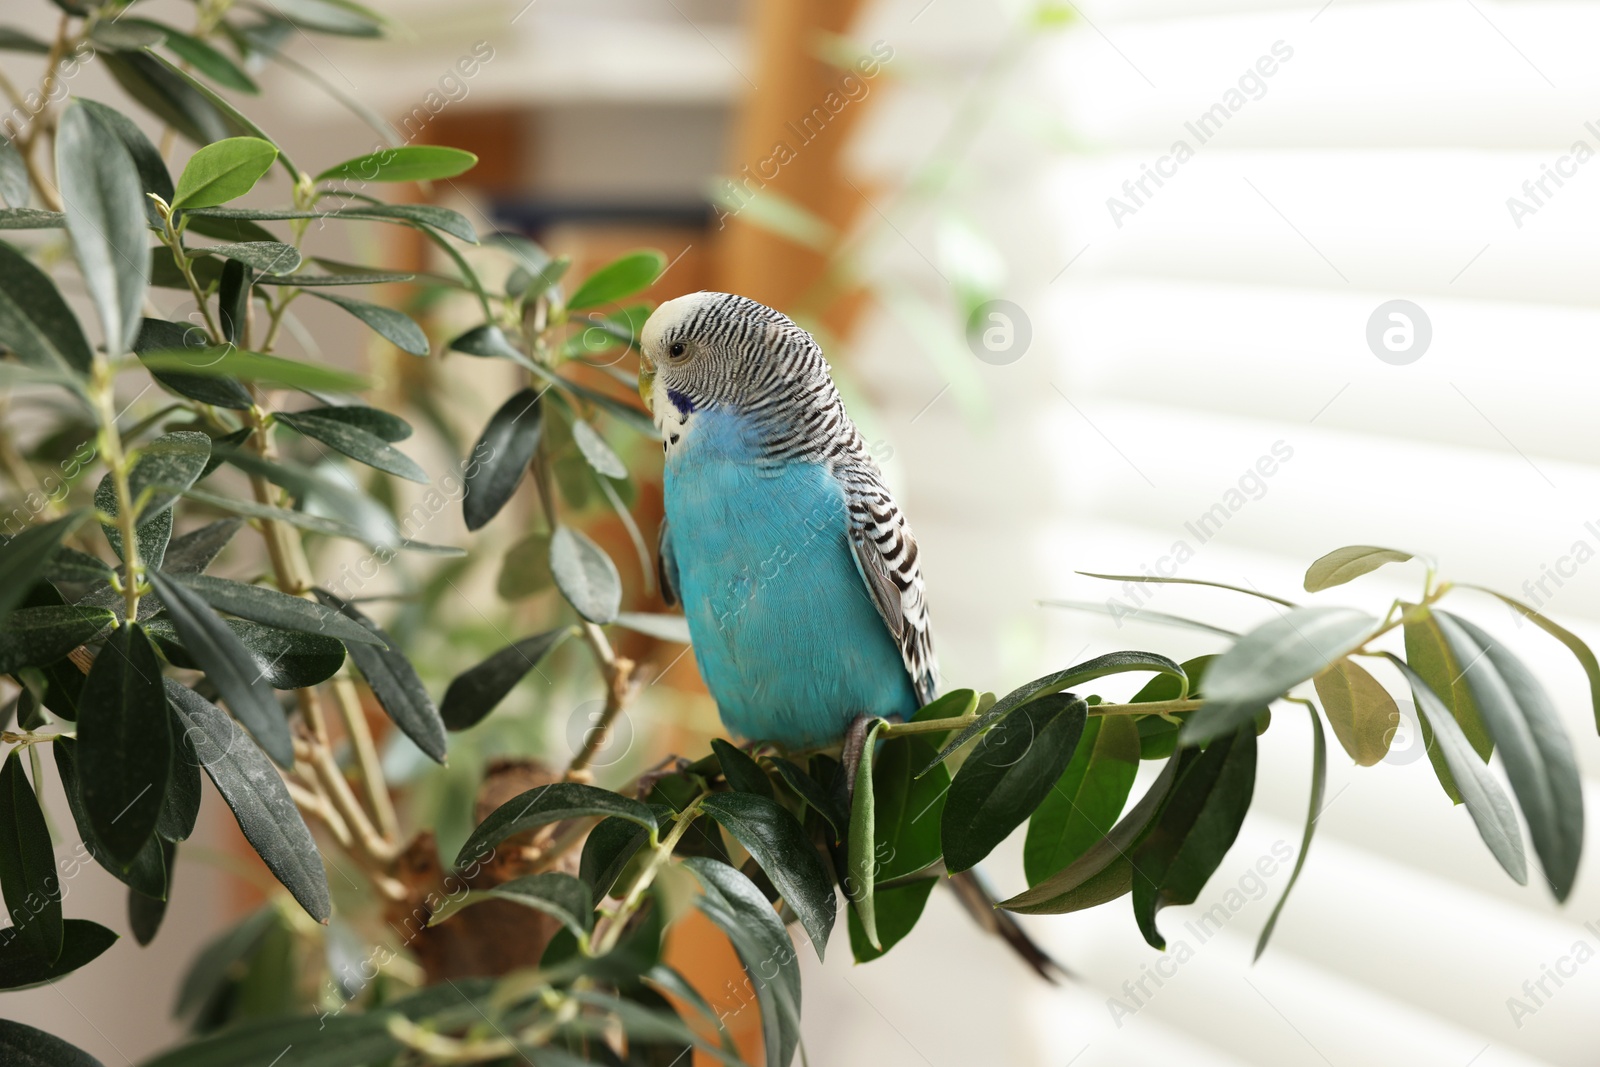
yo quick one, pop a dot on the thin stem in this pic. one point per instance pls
(355, 725)
(618, 673)
(110, 444)
(606, 939)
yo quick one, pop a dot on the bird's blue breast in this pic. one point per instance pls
(786, 636)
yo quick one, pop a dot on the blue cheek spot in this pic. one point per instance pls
(681, 402)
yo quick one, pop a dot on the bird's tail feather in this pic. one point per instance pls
(980, 904)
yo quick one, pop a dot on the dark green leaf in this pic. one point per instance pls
(287, 660)
(81, 942)
(607, 850)
(124, 752)
(275, 609)
(1580, 651)
(37, 637)
(394, 682)
(164, 468)
(172, 98)
(225, 229)
(225, 954)
(898, 908)
(1491, 811)
(15, 40)
(255, 792)
(501, 456)
(547, 804)
(585, 575)
(268, 257)
(224, 170)
(619, 278)
(308, 279)
(387, 323)
(70, 565)
(180, 809)
(146, 913)
(375, 524)
(1269, 661)
(1319, 778)
(488, 341)
(560, 896)
(406, 163)
(24, 557)
(233, 299)
(1533, 747)
(1084, 803)
(147, 873)
(1103, 872)
(1196, 827)
(194, 551)
(1099, 667)
(389, 427)
(104, 201)
(306, 521)
(427, 215)
(1013, 768)
(157, 336)
(229, 664)
(1429, 655)
(356, 443)
(1348, 563)
(200, 55)
(736, 906)
(35, 321)
(778, 844)
(23, 1046)
(28, 864)
(477, 691)
(742, 773)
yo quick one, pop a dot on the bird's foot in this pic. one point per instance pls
(855, 742)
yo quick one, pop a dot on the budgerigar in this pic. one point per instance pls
(795, 568)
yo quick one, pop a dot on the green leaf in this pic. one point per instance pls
(585, 575)
(228, 664)
(1269, 661)
(608, 848)
(619, 278)
(490, 342)
(15, 40)
(596, 451)
(1533, 747)
(23, 1046)
(114, 35)
(1319, 779)
(407, 163)
(194, 551)
(560, 896)
(743, 774)
(1429, 655)
(897, 908)
(423, 215)
(163, 469)
(82, 941)
(272, 608)
(222, 171)
(180, 809)
(314, 523)
(1099, 667)
(200, 55)
(1084, 802)
(146, 913)
(1348, 563)
(737, 908)
(233, 299)
(147, 873)
(393, 680)
(555, 802)
(172, 96)
(1491, 811)
(1360, 710)
(35, 321)
(1586, 658)
(526, 568)
(356, 443)
(375, 421)
(811, 791)
(229, 362)
(70, 565)
(269, 257)
(501, 456)
(28, 864)
(860, 882)
(1103, 872)
(308, 279)
(1009, 773)
(285, 659)
(104, 201)
(255, 792)
(375, 523)
(24, 557)
(1154, 579)
(157, 336)
(1196, 827)
(674, 628)
(124, 755)
(227, 953)
(777, 843)
(391, 325)
(477, 691)
(38, 637)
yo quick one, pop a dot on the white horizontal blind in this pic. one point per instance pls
(1362, 153)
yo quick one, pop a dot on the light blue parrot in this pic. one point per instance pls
(794, 566)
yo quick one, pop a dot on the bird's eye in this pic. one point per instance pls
(677, 349)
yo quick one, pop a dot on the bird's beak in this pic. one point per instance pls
(647, 382)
